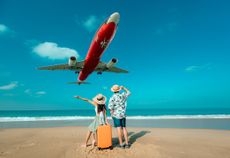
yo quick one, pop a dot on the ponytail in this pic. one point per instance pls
(101, 107)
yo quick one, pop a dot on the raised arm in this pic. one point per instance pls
(87, 100)
(126, 90)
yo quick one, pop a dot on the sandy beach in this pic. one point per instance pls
(148, 142)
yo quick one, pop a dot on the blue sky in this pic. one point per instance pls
(177, 52)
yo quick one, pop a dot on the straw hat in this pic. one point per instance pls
(99, 99)
(115, 88)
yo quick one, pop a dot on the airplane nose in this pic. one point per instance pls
(115, 17)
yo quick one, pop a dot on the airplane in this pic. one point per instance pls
(100, 42)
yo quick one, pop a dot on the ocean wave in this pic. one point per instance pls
(49, 118)
(220, 116)
(66, 118)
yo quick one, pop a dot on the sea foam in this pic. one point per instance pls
(66, 118)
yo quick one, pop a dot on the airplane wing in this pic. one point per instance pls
(101, 67)
(78, 66)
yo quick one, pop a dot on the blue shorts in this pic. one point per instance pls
(119, 122)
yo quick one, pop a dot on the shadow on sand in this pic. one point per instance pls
(132, 136)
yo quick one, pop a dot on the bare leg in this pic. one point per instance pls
(125, 135)
(119, 131)
(87, 138)
(94, 140)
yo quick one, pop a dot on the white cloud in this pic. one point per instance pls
(40, 92)
(34, 94)
(9, 86)
(3, 28)
(91, 23)
(51, 50)
(27, 91)
(194, 68)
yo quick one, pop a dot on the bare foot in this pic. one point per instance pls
(84, 145)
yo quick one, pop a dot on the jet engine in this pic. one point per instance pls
(72, 61)
(111, 63)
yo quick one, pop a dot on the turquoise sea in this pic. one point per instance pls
(167, 118)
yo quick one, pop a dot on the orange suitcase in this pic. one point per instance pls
(104, 137)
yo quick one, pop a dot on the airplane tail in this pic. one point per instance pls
(79, 82)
